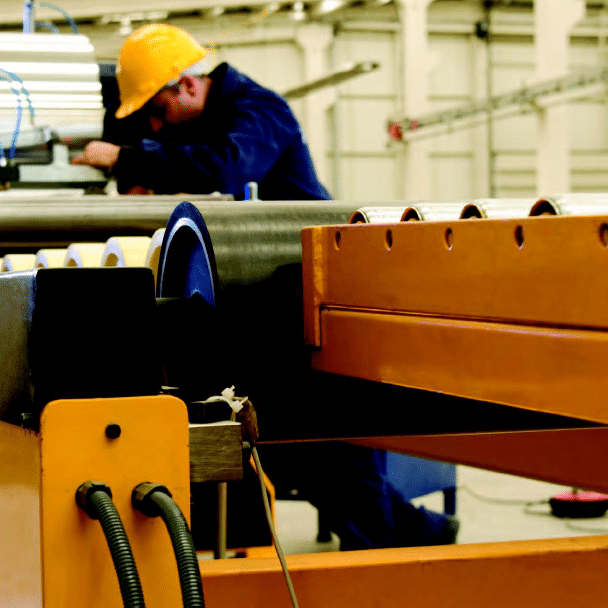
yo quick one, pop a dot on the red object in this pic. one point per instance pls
(395, 130)
(579, 504)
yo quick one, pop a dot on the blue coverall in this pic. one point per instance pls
(248, 133)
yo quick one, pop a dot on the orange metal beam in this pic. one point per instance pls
(506, 311)
(573, 457)
(525, 574)
(557, 371)
(20, 567)
(532, 271)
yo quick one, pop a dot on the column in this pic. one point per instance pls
(417, 62)
(314, 40)
(554, 20)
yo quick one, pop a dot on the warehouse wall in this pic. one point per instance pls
(358, 161)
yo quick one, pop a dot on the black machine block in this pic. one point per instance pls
(75, 333)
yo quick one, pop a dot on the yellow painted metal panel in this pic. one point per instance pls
(153, 446)
(20, 566)
(528, 574)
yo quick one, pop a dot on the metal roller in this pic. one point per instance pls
(18, 261)
(84, 255)
(433, 212)
(50, 258)
(34, 223)
(238, 272)
(498, 209)
(229, 295)
(126, 251)
(153, 253)
(377, 215)
(571, 204)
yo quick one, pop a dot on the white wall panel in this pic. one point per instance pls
(369, 179)
(356, 46)
(588, 126)
(273, 64)
(363, 125)
(453, 75)
(452, 177)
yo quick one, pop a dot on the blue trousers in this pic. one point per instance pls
(348, 485)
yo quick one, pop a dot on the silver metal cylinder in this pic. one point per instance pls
(498, 208)
(433, 212)
(377, 215)
(571, 204)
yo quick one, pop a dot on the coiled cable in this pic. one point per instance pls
(155, 500)
(60, 10)
(95, 499)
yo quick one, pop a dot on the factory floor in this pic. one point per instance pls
(490, 507)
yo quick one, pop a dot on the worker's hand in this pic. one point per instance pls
(98, 154)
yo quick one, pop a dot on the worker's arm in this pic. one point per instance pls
(227, 157)
(100, 154)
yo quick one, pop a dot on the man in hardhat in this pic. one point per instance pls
(204, 133)
(179, 129)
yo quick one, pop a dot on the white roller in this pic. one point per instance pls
(377, 215)
(18, 261)
(153, 253)
(572, 204)
(50, 258)
(126, 251)
(433, 212)
(84, 255)
(498, 209)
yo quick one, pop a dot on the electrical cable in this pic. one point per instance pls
(48, 26)
(18, 122)
(60, 10)
(95, 499)
(502, 501)
(275, 539)
(25, 91)
(571, 526)
(529, 510)
(155, 500)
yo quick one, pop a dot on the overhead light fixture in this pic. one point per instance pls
(125, 27)
(298, 13)
(328, 6)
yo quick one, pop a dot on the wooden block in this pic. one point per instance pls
(216, 452)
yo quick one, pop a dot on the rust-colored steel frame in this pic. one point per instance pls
(503, 311)
(511, 312)
(528, 574)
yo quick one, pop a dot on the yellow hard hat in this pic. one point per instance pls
(151, 57)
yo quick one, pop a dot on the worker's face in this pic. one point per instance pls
(172, 106)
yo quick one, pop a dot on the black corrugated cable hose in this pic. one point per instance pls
(154, 500)
(96, 500)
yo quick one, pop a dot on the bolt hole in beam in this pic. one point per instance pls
(449, 238)
(388, 240)
(604, 234)
(519, 236)
(337, 239)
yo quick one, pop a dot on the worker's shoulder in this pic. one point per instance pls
(233, 82)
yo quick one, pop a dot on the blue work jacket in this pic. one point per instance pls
(245, 133)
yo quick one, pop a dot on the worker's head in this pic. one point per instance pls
(162, 62)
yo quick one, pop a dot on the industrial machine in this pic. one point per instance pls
(451, 340)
